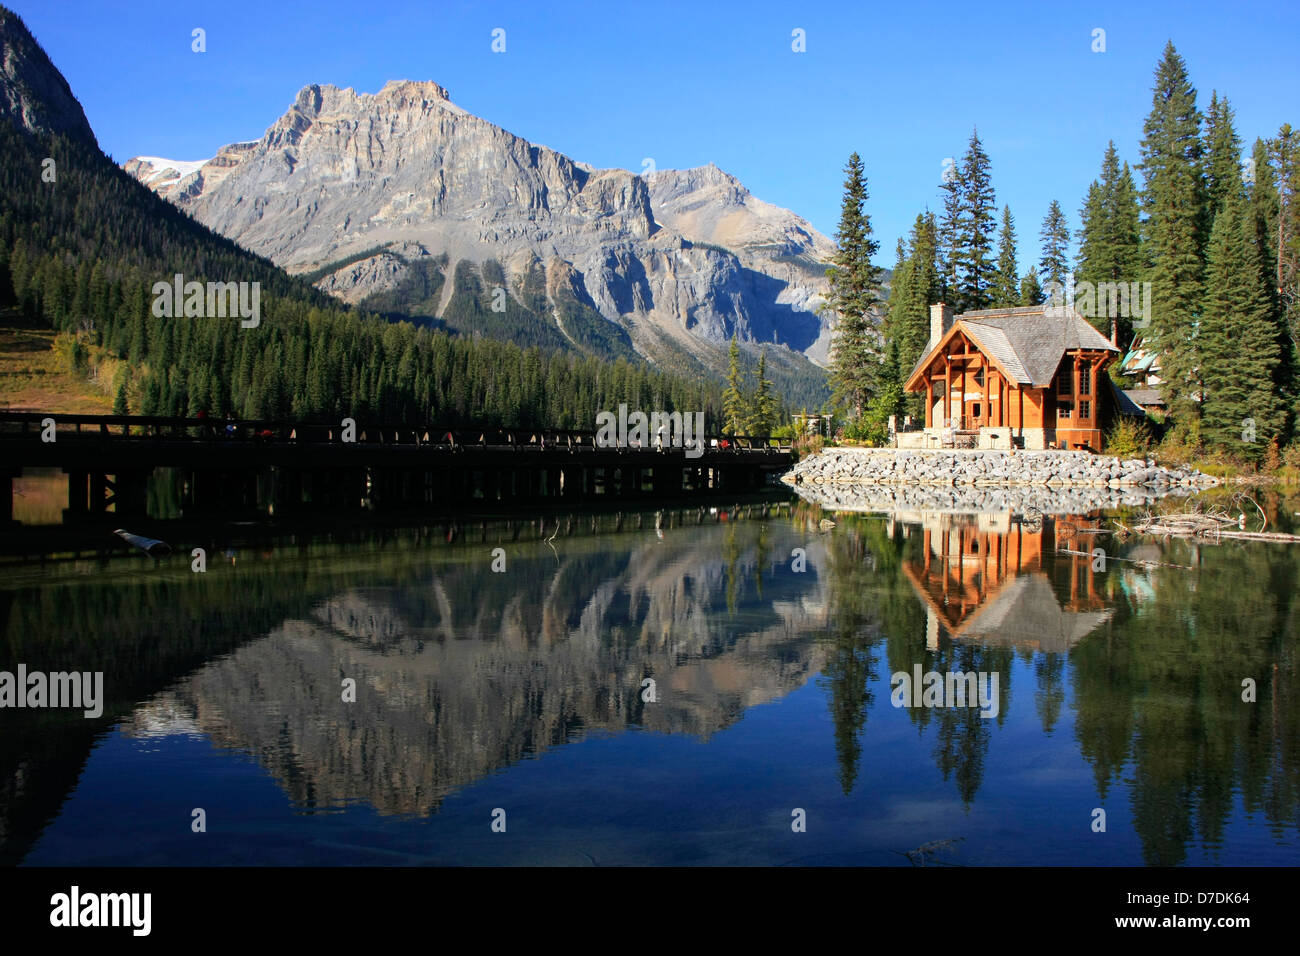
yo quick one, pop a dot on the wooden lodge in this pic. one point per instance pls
(1029, 378)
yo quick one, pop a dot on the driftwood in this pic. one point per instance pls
(1138, 561)
(1212, 525)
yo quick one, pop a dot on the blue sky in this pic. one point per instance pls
(690, 83)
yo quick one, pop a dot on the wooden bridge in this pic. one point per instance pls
(268, 467)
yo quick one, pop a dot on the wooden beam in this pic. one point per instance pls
(988, 412)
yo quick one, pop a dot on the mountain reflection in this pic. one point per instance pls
(469, 671)
(1134, 666)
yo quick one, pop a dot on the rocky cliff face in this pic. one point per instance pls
(33, 94)
(402, 200)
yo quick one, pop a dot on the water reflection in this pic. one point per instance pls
(984, 578)
(464, 674)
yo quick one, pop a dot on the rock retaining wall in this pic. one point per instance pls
(990, 469)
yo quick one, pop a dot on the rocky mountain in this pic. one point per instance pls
(403, 202)
(33, 94)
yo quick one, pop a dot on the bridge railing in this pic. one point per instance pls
(144, 428)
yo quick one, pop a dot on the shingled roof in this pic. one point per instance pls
(1029, 342)
(1026, 611)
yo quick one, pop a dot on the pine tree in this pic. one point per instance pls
(923, 246)
(910, 312)
(1263, 210)
(900, 296)
(1054, 266)
(733, 401)
(1006, 287)
(1222, 151)
(854, 293)
(1237, 339)
(1284, 154)
(1109, 239)
(973, 257)
(763, 403)
(1174, 199)
(948, 234)
(1031, 293)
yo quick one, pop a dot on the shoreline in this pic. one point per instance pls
(990, 469)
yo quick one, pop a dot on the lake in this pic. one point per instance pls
(687, 685)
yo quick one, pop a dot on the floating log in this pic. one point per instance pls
(150, 546)
(1138, 561)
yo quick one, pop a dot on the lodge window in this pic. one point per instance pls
(1085, 380)
(1085, 409)
(1063, 383)
(1063, 409)
(979, 379)
(975, 411)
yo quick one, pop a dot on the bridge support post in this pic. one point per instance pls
(78, 493)
(7, 509)
(130, 492)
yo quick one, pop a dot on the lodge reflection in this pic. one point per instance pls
(985, 578)
(1152, 652)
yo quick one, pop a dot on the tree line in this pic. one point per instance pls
(1215, 233)
(83, 251)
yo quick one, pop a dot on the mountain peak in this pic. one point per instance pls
(405, 201)
(427, 88)
(33, 94)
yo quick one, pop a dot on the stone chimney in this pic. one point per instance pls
(940, 323)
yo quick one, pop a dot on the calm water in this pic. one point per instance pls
(522, 690)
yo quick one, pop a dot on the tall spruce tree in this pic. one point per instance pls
(1241, 407)
(763, 410)
(910, 315)
(1006, 287)
(1054, 266)
(1109, 240)
(973, 258)
(900, 292)
(853, 295)
(1031, 293)
(923, 251)
(733, 399)
(948, 233)
(1284, 153)
(1263, 209)
(1222, 152)
(1174, 199)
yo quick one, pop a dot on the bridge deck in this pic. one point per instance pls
(274, 467)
